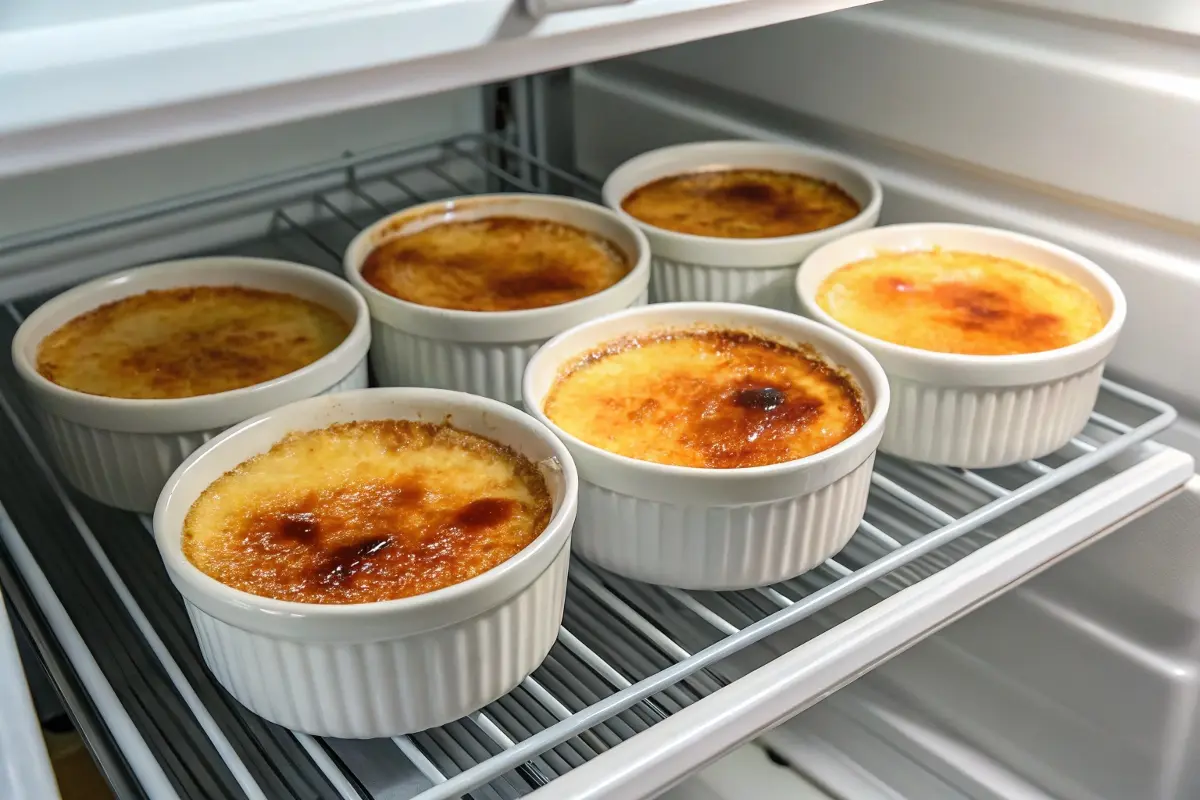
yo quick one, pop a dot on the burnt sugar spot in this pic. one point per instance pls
(338, 535)
(760, 198)
(755, 425)
(387, 497)
(313, 521)
(766, 398)
(975, 307)
(747, 191)
(644, 409)
(340, 565)
(364, 539)
(1042, 322)
(485, 513)
(998, 312)
(302, 527)
(556, 278)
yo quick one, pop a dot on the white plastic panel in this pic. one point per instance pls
(76, 86)
(746, 772)
(1177, 16)
(863, 744)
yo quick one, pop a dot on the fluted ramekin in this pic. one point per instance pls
(977, 411)
(699, 528)
(485, 352)
(367, 670)
(760, 272)
(121, 451)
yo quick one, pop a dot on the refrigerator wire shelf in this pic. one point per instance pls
(628, 655)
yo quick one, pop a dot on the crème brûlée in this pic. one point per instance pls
(189, 341)
(959, 302)
(495, 264)
(708, 398)
(369, 511)
(741, 204)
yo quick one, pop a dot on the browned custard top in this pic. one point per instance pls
(367, 511)
(495, 264)
(187, 342)
(741, 204)
(960, 302)
(705, 398)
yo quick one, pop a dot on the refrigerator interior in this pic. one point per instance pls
(648, 685)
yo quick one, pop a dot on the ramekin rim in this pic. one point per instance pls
(872, 206)
(867, 362)
(202, 584)
(357, 338)
(1096, 341)
(639, 269)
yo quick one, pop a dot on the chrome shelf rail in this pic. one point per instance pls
(628, 656)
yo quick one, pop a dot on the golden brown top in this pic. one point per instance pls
(705, 398)
(188, 342)
(957, 302)
(741, 204)
(495, 264)
(367, 511)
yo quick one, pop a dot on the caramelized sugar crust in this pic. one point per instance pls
(706, 398)
(741, 204)
(959, 302)
(188, 342)
(367, 511)
(495, 264)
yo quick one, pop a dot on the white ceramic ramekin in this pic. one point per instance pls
(716, 528)
(484, 352)
(978, 411)
(377, 669)
(121, 451)
(760, 272)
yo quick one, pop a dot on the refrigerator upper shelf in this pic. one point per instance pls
(644, 685)
(80, 82)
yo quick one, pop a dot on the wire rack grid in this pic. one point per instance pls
(628, 655)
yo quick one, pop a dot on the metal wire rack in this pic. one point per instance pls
(628, 656)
